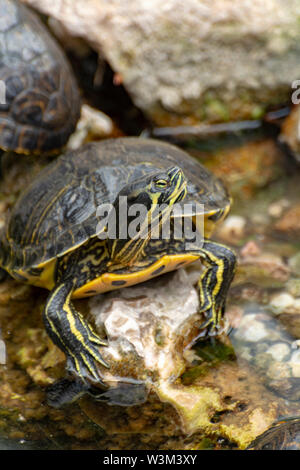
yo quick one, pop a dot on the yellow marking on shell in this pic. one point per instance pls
(104, 283)
(45, 279)
(210, 225)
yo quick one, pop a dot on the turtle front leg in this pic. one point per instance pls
(72, 334)
(220, 263)
(213, 285)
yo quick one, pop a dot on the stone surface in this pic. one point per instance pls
(281, 302)
(263, 343)
(294, 264)
(92, 125)
(193, 61)
(148, 328)
(289, 223)
(293, 287)
(233, 229)
(263, 269)
(245, 169)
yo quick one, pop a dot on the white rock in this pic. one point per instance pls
(92, 122)
(233, 227)
(152, 320)
(295, 363)
(294, 264)
(279, 303)
(295, 344)
(251, 329)
(295, 359)
(295, 370)
(279, 370)
(210, 59)
(279, 351)
(276, 208)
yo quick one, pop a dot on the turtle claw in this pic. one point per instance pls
(82, 359)
(82, 362)
(211, 325)
(84, 365)
(94, 338)
(65, 391)
(210, 328)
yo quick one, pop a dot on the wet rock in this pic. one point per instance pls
(291, 321)
(265, 269)
(279, 351)
(150, 324)
(295, 364)
(232, 229)
(276, 208)
(293, 287)
(246, 168)
(261, 340)
(289, 388)
(171, 74)
(281, 302)
(289, 223)
(294, 264)
(287, 308)
(250, 249)
(251, 329)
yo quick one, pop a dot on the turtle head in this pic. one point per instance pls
(141, 207)
(161, 187)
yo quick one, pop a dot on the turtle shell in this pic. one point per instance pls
(282, 435)
(57, 212)
(41, 102)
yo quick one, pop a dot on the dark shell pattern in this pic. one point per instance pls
(57, 212)
(42, 103)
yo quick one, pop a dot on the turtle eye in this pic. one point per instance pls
(161, 183)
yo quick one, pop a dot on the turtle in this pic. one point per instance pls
(39, 97)
(284, 434)
(57, 236)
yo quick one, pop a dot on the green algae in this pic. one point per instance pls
(211, 354)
